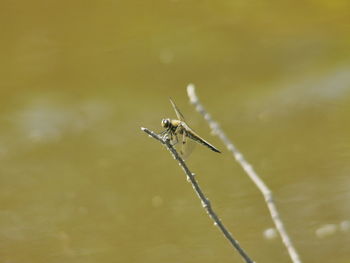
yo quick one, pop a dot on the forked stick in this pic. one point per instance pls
(248, 168)
(204, 200)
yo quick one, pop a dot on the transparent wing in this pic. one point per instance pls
(187, 148)
(195, 137)
(184, 145)
(177, 111)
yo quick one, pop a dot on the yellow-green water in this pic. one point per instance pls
(81, 183)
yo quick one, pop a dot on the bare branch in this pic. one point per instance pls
(248, 168)
(204, 200)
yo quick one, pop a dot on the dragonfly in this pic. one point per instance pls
(178, 130)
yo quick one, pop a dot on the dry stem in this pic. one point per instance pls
(204, 200)
(248, 168)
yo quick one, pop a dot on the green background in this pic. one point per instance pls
(79, 180)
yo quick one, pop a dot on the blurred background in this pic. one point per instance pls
(81, 183)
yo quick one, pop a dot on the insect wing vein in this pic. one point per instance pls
(177, 111)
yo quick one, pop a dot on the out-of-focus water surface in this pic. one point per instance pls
(81, 183)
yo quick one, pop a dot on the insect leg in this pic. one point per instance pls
(165, 133)
(175, 135)
(183, 142)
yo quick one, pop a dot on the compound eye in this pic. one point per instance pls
(165, 123)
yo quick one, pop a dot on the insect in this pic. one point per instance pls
(179, 130)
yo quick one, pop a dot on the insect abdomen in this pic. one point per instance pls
(201, 141)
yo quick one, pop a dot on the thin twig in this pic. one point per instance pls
(204, 200)
(248, 168)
